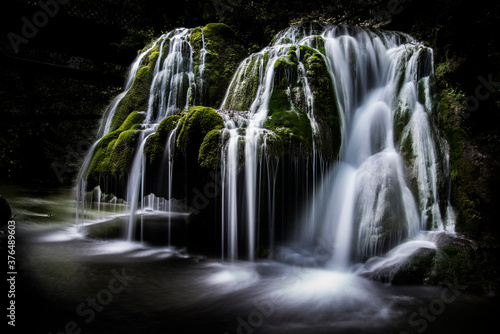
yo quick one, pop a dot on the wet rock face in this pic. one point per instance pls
(5, 212)
(462, 261)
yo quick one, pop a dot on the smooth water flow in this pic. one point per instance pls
(388, 182)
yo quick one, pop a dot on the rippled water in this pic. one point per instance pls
(149, 289)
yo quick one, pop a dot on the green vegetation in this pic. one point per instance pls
(210, 150)
(326, 110)
(138, 95)
(155, 145)
(241, 98)
(224, 54)
(115, 151)
(464, 174)
(192, 129)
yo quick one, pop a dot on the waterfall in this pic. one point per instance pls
(172, 89)
(174, 80)
(364, 205)
(327, 137)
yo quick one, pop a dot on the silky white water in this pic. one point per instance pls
(385, 185)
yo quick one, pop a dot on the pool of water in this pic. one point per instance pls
(69, 283)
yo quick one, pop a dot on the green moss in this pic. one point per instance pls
(196, 40)
(292, 126)
(210, 150)
(464, 173)
(318, 43)
(273, 144)
(155, 145)
(133, 119)
(279, 101)
(138, 95)
(450, 123)
(224, 55)
(326, 110)
(194, 126)
(113, 154)
(244, 87)
(401, 119)
(406, 149)
(104, 161)
(122, 152)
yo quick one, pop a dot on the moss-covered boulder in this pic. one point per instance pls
(155, 145)
(461, 261)
(210, 150)
(137, 97)
(193, 127)
(290, 124)
(243, 88)
(114, 153)
(223, 54)
(326, 112)
(291, 115)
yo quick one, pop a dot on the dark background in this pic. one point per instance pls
(55, 88)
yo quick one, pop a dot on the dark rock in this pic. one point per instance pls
(459, 260)
(5, 211)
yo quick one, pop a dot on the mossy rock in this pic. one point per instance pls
(210, 150)
(416, 270)
(194, 126)
(326, 111)
(138, 95)
(243, 89)
(122, 152)
(449, 119)
(292, 126)
(155, 145)
(224, 55)
(402, 116)
(272, 144)
(104, 161)
(287, 116)
(456, 260)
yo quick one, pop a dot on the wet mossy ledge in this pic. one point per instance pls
(224, 53)
(138, 95)
(302, 115)
(198, 137)
(114, 153)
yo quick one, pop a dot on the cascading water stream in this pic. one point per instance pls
(363, 194)
(364, 206)
(102, 132)
(369, 208)
(135, 185)
(173, 89)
